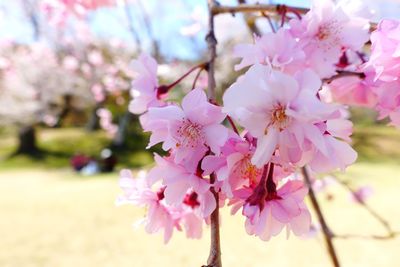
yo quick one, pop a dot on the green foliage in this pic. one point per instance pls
(59, 145)
(375, 144)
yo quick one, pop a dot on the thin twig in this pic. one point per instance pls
(196, 78)
(341, 74)
(214, 258)
(270, 9)
(242, 8)
(234, 128)
(271, 25)
(131, 28)
(31, 11)
(250, 21)
(325, 229)
(368, 237)
(389, 231)
(147, 23)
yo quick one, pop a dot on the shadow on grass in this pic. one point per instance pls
(377, 144)
(57, 146)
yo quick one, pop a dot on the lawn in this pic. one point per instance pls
(52, 217)
(56, 218)
(59, 145)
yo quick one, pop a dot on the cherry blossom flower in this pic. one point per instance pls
(340, 154)
(178, 181)
(95, 58)
(161, 216)
(233, 167)
(280, 110)
(144, 87)
(353, 90)
(190, 131)
(138, 192)
(362, 194)
(279, 50)
(70, 63)
(106, 122)
(389, 101)
(284, 208)
(325, 32)
(385, 55)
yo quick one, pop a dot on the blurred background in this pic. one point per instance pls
(65, 132)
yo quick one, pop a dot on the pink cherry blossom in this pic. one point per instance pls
(233, 167)
(279, 50)
(70, 63)
(161, 216)
(362, 194)
(280, 110)
(190, 131)
(389, 101)
(138, 192)
(285, 208)
(95, 58)
(354, 90)
(106, 122)
(178, 181)
(340, 154)
(325, 31)
(144, 87)
(385, 50)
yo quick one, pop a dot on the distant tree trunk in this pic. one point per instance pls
(119, 139)
(27, 140)
(93, 122)
(65, 111)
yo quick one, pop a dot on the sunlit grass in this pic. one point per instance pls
(53, 217)
(373, 144)
(56, 218)
(59, 145)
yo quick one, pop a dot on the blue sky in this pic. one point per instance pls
(168, 16)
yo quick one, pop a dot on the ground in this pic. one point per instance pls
(52, 217)
(56, 218)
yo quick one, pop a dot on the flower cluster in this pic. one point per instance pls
(378, 87)
(289, 106)
(58, 11)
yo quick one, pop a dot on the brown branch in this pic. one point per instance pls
(214, 258)
(368, 237)
(341, 74)
(325, 229)
(390, 234)
(272, 10)
(131, 28)
(147, 23)
(234, 128)
(196, 78)
(250, 21)
(271, 25)
(30, 8)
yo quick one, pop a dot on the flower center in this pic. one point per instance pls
(328, 34)
(160, 193)
(279, 119)
(189, 134)
(191, 200)
(323, 33)
(248, 171)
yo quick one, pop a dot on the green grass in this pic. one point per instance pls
(56, 218)
(377, 143)
(373, 143)
(59, 145)
(53, 217)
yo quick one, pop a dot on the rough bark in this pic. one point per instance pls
(27, 141)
